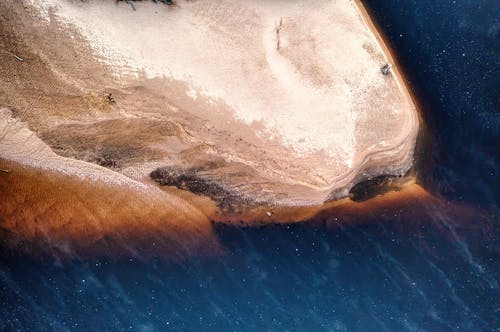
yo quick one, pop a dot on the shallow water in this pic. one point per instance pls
(424, 267)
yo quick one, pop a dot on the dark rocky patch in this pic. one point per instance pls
(373, 187)
(193, 180)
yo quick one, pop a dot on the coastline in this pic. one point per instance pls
(396, 69)
(263, 215)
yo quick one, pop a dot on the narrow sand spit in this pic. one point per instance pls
(253, 104)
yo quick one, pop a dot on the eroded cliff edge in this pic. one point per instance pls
(253, 104)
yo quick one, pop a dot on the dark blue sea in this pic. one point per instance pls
(432, 270)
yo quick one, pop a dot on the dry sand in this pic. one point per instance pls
(202, 90)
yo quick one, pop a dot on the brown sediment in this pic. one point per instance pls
(413, 210)
(402, 202)
(43, 212)
(410, 210)
(268, 214)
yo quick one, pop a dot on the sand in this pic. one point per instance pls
(261, 104)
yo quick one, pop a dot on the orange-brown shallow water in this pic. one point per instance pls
(43, 213)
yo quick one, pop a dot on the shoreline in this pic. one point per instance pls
(388, 52)
(262, 215)
(422, 160)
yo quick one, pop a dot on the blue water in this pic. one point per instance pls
(451, 52)
(428, 271)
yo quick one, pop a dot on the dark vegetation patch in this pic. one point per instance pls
(195, 181)
(373, 187)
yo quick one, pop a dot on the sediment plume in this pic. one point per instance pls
(48, 213)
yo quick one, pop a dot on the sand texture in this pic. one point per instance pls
(201, 110)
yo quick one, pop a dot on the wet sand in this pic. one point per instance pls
(68, 213)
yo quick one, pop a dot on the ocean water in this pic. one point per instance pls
(425, 267)
(450, 51)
